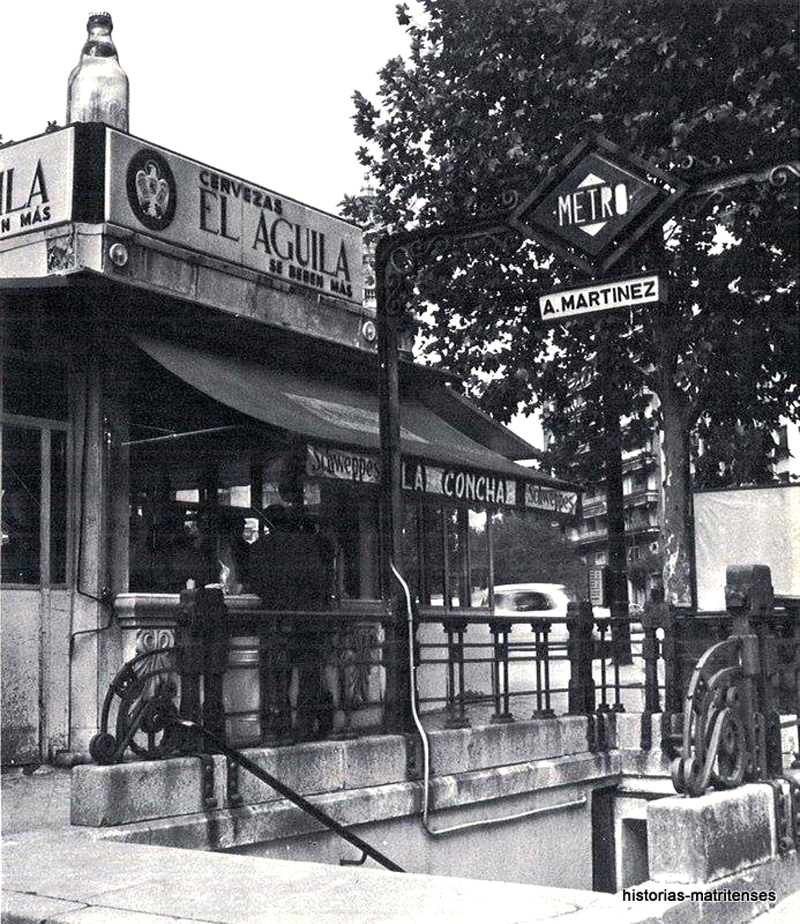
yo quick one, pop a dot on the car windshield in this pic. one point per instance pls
(523, 601)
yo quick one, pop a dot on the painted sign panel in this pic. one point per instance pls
(36, 181)
(440, 481)
(189, 204)
(342, 464)
(620, 293)
(482, 488)
(541, 497)
(598, 586)
(594, 203)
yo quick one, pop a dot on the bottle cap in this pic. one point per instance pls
(100, 19)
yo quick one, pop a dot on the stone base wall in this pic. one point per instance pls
(505, 787)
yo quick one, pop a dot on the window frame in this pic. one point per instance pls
(46, 427)
(456, 576)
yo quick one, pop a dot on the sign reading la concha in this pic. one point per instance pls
(192, 205)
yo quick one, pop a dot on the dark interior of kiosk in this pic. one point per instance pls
(194, 462)
(226, 461)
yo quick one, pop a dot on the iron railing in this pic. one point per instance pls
(257, 677)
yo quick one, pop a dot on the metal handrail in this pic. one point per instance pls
(367, 850)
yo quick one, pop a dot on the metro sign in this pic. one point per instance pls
(596, 205)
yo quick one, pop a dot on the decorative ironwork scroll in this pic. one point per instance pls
(145, 692)
(723, 738)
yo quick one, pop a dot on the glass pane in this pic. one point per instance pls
(21, 505)
(233, 488)
(58, 507)
(434, 555)
(456, 524)
(478, 558)
(411, 547)
(34, 390)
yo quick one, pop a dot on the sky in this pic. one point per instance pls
(262, 90)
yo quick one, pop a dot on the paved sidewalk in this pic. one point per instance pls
(70, 878)
(33, 801)
(785, 912)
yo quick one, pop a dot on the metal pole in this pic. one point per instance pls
(397, 668)
(615, 497)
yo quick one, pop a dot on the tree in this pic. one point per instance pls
(493, 94)
(734, 455)
(528, 549)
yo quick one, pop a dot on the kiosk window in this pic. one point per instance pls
(447, 551)
(21, 510)
(34, 505)
(58, 506)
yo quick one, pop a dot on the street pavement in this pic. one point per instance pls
(32, 800)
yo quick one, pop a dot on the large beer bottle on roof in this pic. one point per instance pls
(97, 90)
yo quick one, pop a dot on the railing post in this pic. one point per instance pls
(457, 715)
(666, 616)
(202, 651)
(750, 600)
(215, 638)
(652, 697)
(502, 712)
(541, 632)
(397, 707)
(275, 678)
(579, 651)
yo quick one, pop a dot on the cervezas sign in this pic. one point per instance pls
(192, 205)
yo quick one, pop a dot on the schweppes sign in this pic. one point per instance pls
(462, 485)
(342, 464)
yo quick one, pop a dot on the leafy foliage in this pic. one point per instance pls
(527, 548)
(734, 455)
(495, 92)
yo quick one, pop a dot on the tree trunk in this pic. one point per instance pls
(676, 535)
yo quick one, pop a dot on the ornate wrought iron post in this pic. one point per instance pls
(750, 600)
(398, 259)
(579, 651)
(202, 651)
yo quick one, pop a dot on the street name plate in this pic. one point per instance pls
(602, 296)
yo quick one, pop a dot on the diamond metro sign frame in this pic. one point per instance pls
(596, 204)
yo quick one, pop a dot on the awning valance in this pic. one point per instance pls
(332, 413)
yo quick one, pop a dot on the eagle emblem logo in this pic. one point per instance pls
(152, 191)
(151, 188)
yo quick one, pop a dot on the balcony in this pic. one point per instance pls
(596, 506)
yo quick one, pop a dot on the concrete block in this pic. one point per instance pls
(573, 734)
(652, 763)
(307, 768)
(629, 730)
(450, 751)
(500, 745)
(140, 791)
(374, 761)
(703, 839)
